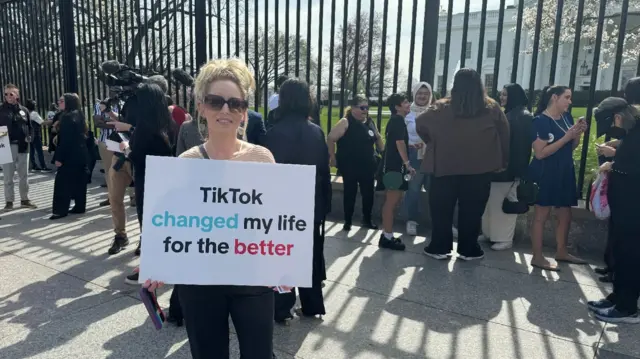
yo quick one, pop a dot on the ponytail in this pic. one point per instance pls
(347, 111)
(545, 97)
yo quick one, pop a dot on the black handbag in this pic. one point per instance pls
(527, 192)
(518, 207)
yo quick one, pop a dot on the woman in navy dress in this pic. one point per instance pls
(555, 137)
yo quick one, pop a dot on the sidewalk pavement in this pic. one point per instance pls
(61, 296)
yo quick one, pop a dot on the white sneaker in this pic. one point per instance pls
(455, 232)
(412, 228)
(501, 246)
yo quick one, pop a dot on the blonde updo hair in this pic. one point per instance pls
(234, 70)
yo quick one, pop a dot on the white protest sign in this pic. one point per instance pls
(209, 222)
(5, 146)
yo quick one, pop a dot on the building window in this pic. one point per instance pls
(491, 49)
(439, 84)
(443, 48)
(468, 51)
(488, 81)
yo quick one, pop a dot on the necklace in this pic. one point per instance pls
(557, 124)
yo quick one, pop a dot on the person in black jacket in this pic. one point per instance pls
(294, 139)
(255, 128)
(71, 158)
(16, 118)
(497, 226)
(154, 135)
(607, 151)
(623, 194)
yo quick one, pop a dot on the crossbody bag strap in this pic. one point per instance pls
(203, 152)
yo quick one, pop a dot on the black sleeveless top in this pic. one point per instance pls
(356, 148)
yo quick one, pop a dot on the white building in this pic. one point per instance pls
(506, 52)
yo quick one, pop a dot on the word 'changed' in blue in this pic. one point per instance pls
(205, 223)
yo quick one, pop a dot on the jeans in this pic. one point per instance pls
(36, 149)
(20, 164)
(420, 180)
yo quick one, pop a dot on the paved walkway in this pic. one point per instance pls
(61, 296)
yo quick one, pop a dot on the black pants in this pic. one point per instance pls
(471, 192)
(608, 252)
(35, 149)
(206, 312)
(351, 181)
(175, 310)
(70, 183)
(311, 299)
(626, 279)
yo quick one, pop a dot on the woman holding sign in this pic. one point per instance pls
(294, 139)
(221, 92)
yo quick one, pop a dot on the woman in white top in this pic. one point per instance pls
(422, 98)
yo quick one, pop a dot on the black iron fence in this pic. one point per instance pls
(375, 47)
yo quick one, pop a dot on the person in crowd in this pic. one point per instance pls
(153, 136)
(254, 128)
(53, 115)
(356, 137)
(467, 139)
(222, 89)
(189, 136)
(36, 144)
(71, 158)
(178, 114)
(632, 91)
(103, 112)
(555, 136)
(623, 193)
(294, 139)
(274, 101)
(608, 150)
(499, 227)
(16, 118)
(395, 170)
(422, 98)
(53, 109)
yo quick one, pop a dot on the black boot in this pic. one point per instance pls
(119, 243)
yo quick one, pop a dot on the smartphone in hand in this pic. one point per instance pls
(153, 308)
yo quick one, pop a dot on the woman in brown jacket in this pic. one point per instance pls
(467, 138)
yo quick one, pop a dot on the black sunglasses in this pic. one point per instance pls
(217, 103)
(8, 94)
(364, 108)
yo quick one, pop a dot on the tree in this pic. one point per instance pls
(267, 78)
(361, 69)
(589, 26)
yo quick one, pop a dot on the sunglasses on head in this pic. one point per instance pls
(217, 103)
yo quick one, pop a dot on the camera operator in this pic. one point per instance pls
(105, 111)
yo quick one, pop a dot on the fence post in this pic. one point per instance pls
(201, 33)
(430, 41)
(68, 36)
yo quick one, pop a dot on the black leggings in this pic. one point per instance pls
(206, 312)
